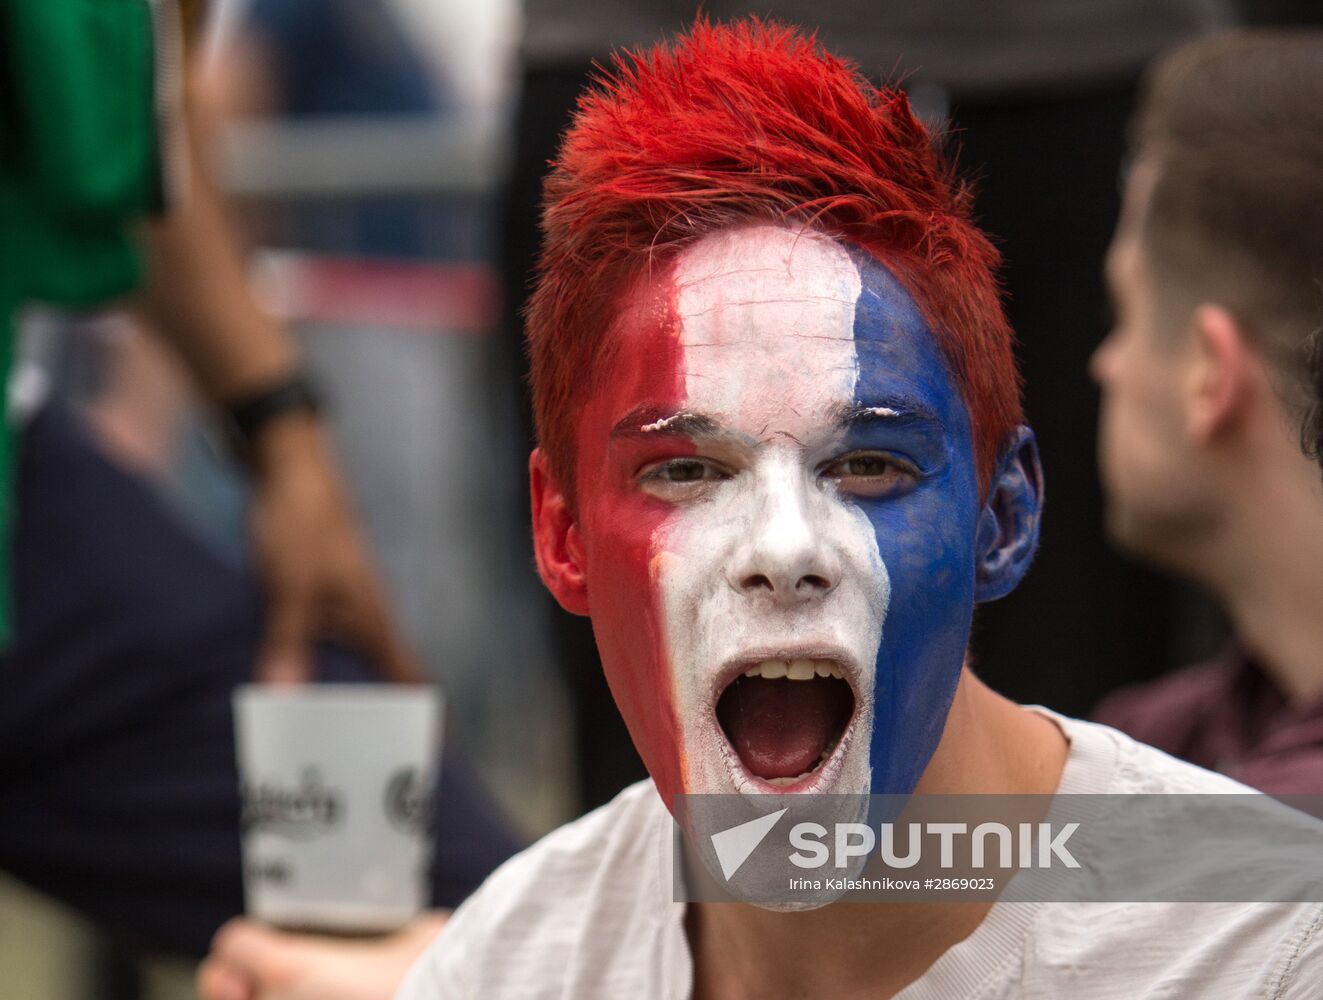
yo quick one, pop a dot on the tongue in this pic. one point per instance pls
(778, 727)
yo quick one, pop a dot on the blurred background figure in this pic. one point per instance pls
(120, 791)
(364, 144)
(140, 605)
(1214, 273)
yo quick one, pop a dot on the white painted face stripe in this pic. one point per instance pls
(767, 330)
(760, 307)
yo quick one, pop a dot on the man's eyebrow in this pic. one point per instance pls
(899, 411)
(646, 420)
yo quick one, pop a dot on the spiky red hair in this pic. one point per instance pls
(752, 122)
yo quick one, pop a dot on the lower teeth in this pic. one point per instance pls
(783, 782)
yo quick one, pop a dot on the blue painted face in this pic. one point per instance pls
(926, 533)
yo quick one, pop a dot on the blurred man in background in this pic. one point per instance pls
(1215, 273)
(105, 193)
(118, 787)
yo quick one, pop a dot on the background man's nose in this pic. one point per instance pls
(1102, 359)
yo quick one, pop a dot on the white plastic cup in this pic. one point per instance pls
(337, 784)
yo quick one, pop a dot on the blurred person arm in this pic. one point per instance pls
(313, 559)
(250, 961)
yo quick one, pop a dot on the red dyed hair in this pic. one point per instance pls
(742, 123)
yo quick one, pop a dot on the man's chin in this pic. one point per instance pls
(740, 847)
(1154, 541)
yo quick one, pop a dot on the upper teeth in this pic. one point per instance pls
(795, 670)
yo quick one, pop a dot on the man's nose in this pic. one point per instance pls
(788, 554)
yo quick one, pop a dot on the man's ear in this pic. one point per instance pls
(1219, 380)
(1008, 524)
(556, 543)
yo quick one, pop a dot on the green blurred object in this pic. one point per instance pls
(79, 165)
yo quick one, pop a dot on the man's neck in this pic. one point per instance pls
(1267, 569)
(874, 950)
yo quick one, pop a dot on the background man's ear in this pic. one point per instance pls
(1219, 380)
(556, 543)
(1008, 524)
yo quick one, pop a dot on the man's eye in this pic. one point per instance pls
(867, 465)
(678, 478)
(683, 472)
(872, 474)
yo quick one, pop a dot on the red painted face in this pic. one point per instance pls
(617, 523)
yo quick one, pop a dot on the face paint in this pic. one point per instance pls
(925, 537)
(617, 524)
(777, 510)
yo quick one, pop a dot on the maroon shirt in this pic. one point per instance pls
(1229, 716)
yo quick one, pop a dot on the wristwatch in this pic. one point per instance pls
(249, 414)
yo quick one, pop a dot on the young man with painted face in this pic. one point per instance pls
(1215, 271)
(781, 459)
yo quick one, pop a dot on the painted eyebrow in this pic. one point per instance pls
(646, 420)
(899, 411)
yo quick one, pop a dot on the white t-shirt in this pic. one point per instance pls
(587, 912)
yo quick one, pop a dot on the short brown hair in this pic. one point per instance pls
(1233, 124)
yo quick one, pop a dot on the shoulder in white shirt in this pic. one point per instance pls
(587, 913)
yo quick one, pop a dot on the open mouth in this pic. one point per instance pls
(784, 718)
